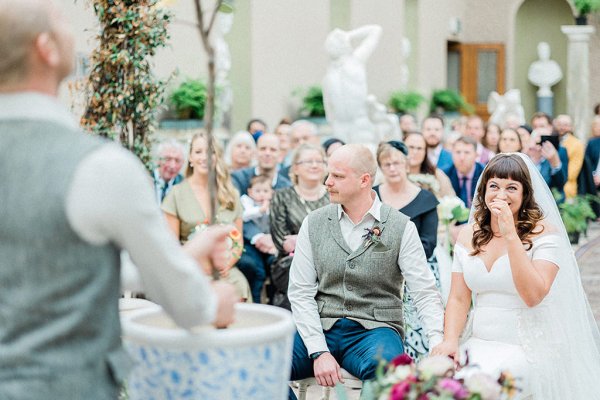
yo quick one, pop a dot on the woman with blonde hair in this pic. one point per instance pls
(290, 206)
(187, 208)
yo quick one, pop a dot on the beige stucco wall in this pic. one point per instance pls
(277, 45)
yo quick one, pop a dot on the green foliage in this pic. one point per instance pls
(449, 100)
(576, 213)
(189, 99)
(585, 7)
(460, 213)
(312, 102)
(123, 94)
(403, 102)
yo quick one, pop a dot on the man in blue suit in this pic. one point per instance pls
(465, 171)
(251, 262)
(433, 130)
(592, 152)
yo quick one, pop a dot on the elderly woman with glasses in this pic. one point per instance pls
(421, 206)
(290, 206)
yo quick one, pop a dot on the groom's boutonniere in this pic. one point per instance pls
(373, 235)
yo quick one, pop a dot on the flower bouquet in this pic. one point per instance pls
(434, 378)
(451, 209)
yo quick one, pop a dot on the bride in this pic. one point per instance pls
(530, 314)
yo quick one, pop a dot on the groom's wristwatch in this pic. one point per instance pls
(315, 355)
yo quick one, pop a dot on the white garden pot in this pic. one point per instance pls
(249, 360)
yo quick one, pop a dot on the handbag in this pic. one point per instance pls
(280, 277)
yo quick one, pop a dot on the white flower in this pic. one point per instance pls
(435, 366)
(484, 385)
(430, 181)
(447, 204)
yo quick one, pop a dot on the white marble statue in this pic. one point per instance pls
(345, 83)
(544, 72)
(404, 71)
(500, 107)
(221, 27)
(387, 125)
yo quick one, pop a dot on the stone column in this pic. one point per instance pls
(578, 77)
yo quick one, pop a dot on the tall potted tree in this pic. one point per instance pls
(584, 8)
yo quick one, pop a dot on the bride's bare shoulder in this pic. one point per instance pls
(543, 228)
(465, 235)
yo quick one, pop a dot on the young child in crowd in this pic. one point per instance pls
(256, 203)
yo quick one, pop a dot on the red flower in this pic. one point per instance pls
(400, 390)
(402, 359)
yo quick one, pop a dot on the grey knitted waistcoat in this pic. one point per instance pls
(364, 285)
(59, 321)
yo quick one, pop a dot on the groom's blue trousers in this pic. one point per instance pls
(356, 349)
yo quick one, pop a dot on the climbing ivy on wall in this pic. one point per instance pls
(123, 93)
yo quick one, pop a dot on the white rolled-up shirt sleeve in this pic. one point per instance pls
(302, 290)
(111, 200)
(420, 284)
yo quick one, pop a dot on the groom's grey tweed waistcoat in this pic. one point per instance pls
(364, 285)
(59, 321)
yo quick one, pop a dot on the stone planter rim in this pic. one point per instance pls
(280, 325)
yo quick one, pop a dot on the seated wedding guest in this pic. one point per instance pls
(240, 151)
(432, 129)
(475, 130)
(171, 156)
(256, 259)
(592, 152)
(187, 209)
(346, 286)
(491, 137)
(69, 204)
(331, 145)
(408, 123)
(563, 124)
(541, 121)
(304, 131)
(290, 206)
(524, 132)
(421, 207)
(595, 130)
(514, 266)
(465, 170)
(552, 164)
(256, 127)
(420, 169)
(267, 164)
(284, 132)
(510, 141)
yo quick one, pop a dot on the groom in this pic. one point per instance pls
(346, 286)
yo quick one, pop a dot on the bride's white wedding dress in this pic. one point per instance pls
(496, 343)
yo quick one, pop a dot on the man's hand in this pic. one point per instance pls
(210, 244)
(550, 154)
(226, 299)
(265, 244)
(327, 370)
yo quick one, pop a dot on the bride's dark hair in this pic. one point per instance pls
(505, 166)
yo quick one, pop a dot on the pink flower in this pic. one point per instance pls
(400, 390)
(454, 387)
(402, 359)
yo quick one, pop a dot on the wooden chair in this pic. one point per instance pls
(350, 381)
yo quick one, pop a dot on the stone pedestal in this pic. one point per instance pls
(545, 104)
(578, 77)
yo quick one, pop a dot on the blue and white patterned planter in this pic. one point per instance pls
(250, 360)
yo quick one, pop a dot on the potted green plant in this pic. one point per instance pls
(312, 103)
(448, 100)
(585, 7)
(187, 101)
(575, 213)
(405, 102)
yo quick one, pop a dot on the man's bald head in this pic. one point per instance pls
(359, 158)
(34, 40)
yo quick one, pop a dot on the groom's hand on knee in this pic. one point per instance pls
(327, 370)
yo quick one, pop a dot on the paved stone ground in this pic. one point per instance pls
(587, 252)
